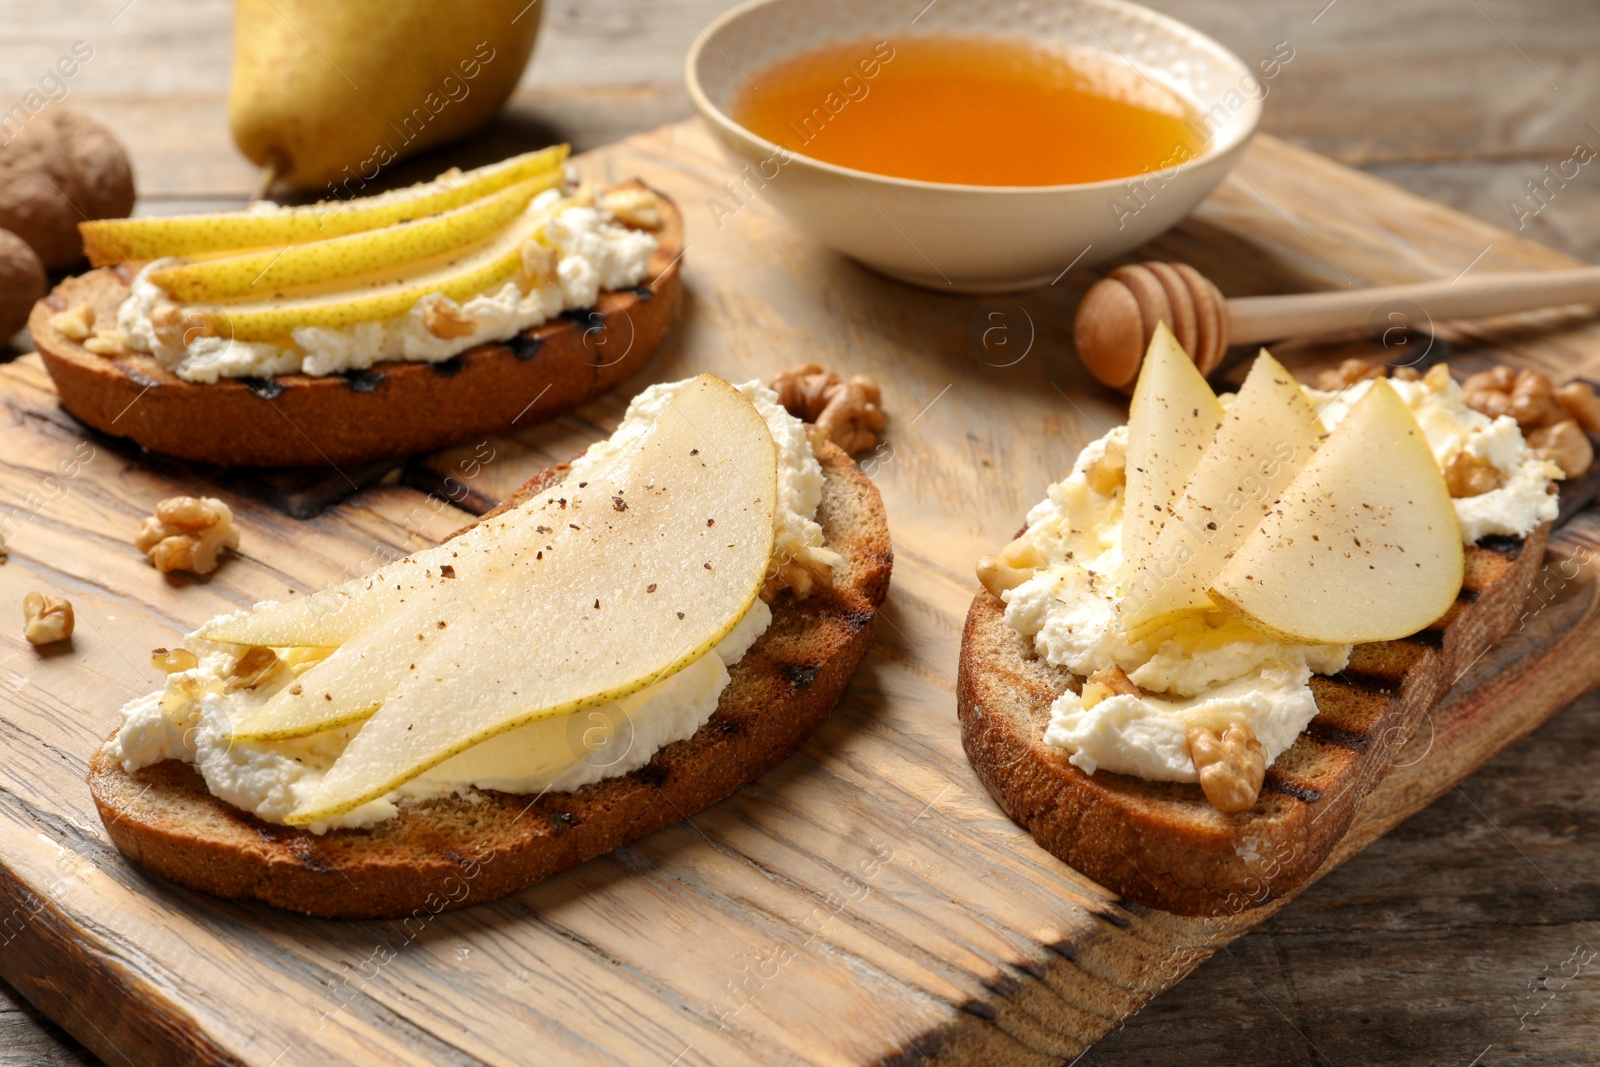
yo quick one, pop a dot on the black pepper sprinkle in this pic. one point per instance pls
(541, 529)
(619, 504)
(441, 624)
(447, 571)
(680, 614)
(583, 485)
(711, 522)
(651, 588)
(694, 451)
(597, 605)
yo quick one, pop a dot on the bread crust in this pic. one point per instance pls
(444, 854)
(1162, 844)
(390, 409)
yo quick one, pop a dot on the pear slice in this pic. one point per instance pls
(333, 616)
(375, 622)
(1363, 545)
(1171, 420)
(461, 275)
(272, 270)
(350, 684)
(1267, 436)
(665, 552)
(322, 620)
(107, 241)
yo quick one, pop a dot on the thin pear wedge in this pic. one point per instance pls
(370, 298)
(673, 543)
(1171, 420)
(274, 270)
(1364, 545)
(1267, 436)
(108, 241)
(393, 621)
(326, 619)
(350, 684)
(333, 616)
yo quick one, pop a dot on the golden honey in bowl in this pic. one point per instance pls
(972, 111)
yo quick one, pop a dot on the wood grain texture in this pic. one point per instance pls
(863, 902)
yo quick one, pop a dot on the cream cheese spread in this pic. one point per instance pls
(592, 252)
(191, 717)
(1210, 669)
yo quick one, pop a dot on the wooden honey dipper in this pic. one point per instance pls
(1119, 313)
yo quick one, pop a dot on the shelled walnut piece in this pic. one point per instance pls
(446, 320)
(846, 412)
(78, 323)
(46, 619)
(173, 660)
(1555, 422)
(1349, 373)
(1104, 684)
(1231, 766)
(1015, 564)
(634, 206)
(186, 534)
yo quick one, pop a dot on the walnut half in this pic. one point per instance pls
(1232, 766)
(46, 619)
(846, 412)
(186, 534)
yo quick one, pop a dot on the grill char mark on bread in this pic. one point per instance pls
(1162, 844)
(450, 853)
(294, 420)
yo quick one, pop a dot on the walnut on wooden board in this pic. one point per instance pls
(46, 619)
(187, 533)
(846, 411)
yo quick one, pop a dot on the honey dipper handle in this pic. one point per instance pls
(1254, 319)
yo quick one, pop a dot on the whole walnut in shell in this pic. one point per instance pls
(59, 170)
(22, 283)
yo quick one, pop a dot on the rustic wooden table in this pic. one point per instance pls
(1471, 918)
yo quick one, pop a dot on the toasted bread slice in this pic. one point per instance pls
(390, 409)
(1162, 844)
(453, 852)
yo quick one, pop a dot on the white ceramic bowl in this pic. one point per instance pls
(970, 238)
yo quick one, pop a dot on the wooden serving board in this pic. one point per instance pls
(865, 902)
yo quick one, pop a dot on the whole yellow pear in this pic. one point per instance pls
(325, 92)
